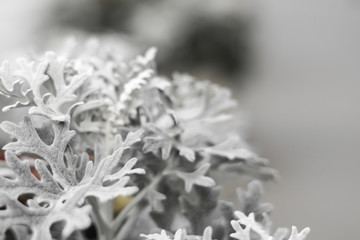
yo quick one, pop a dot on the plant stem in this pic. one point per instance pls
(123, 214)
(119, 220)
(102, 227)
(125, 230)
(108, 136)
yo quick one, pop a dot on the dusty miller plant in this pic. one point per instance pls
(98, 127)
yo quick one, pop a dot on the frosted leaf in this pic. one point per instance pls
(207, 235)
(249, 223)
(250, 200)
(281, 233)
(11, 86)
(64, 91)
(135, 84)
(295, 235)
(56, 88)
(63, 182)
(28, 141)
(43, 109)
(65, 88)
(33, 74)
(186, 152)
(158, 142)
(49, 91)
(40, 219)
(155, 199)
(255, 170)
(8, 85)
(26, 181)
(240, 233)
(156, 236)
(231, 149)
(93, 184)
(127, 169)
(199, 100)
(86, 124)
(255, 226)
(6, 81)
(197, 177)
(180, 234)
(148, 57)
(159, 83)
(165, 140)
(105, 70)
(131, 138)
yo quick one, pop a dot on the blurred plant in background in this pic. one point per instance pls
(208, 38)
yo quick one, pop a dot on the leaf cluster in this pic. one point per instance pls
(99, 128)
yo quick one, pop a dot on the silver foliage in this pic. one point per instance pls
(99, 127)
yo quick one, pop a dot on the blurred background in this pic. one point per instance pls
(294, 66)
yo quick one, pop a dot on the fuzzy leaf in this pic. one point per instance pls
(34, 75)
(250, 199)
(8, 85)
(197, 177)
(295, 235)
(154, 143)
(281, 233)
(240, 233)
(250, 224)
(250, 221)
(64, 181)
(230, 149)
(180, 234)
(155, 198)
(81, 119)
(187, 153)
